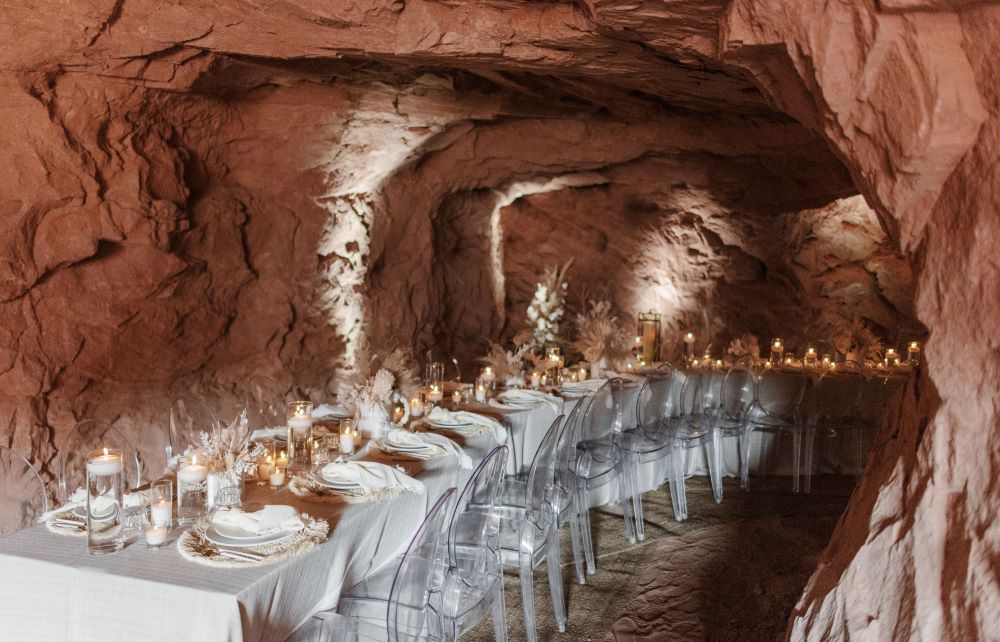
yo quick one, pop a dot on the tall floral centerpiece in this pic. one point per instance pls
(378, 380)
(745, 346)
(600, 338)
(548, 306)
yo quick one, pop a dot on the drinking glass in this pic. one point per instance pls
(161, 503)
(105, 495)
(434, 374)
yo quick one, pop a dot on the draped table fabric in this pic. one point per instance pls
(51, 589)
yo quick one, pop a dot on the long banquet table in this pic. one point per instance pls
(51, 589)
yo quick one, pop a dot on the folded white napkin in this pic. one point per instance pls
(371, 476)
(434, 445)
(269, 433)
(324, 410)
(482, 422)
(588, 385)
(277, 518)
(532, 395)
(99, 506)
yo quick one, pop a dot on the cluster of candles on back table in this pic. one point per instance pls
(810, 358)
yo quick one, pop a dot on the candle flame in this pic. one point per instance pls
(105, 452)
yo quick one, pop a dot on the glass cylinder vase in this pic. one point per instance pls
(300, 435)
(192, 491)
(105, 498)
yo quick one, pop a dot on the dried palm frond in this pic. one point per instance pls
(599, 335)
(744, 345)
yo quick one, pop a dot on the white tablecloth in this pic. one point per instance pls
(51, 589)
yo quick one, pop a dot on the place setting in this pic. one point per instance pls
(355, 482)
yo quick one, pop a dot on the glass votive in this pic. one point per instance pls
(809, 360)
(265, 465)
(777, 350)
(345, 441)
(536, 380)
(488, 377)
(434, 393)
(416, 407)
(481, 392)
(913, 353)
(456, 397)
(192, 491)
(299, 434)
(161, 503)
(105, 497)
(277, 478)
(891, 358)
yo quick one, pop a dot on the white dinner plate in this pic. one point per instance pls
(451, 424)
(522, 402)
(213, 535)
(337, 485)
(81, 512)
(407, 448)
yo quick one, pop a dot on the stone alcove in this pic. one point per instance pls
(195, 192)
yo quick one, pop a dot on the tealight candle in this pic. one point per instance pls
(536, 379)
(416, 408)
(106, 464)
(264, 469)
(768, 364)
(435, 395)
(481, 393)
(278, 478)
(193, 473)
(689, 345)
(456, 397)
(156, 536)
(282, 461)
(161, 512)
(718, 364)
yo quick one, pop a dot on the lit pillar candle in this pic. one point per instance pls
(689, 345)
(536, 379)
(193, 473)
(106, 464)
(913, 352)
(481, 393)
(890, 357)
(488, 375)
(277, 477)
(161, 512)
(435, 395)
(281, 461)
(777, 350)
(156, 536)
(416, 408)
(264, 469)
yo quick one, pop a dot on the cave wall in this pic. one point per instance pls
(195, 194)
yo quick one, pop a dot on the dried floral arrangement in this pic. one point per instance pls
(858, 337)
(548, 306)
(599, 335)
(230, 446)
(507, 364)
(744, 345)
(377, 375)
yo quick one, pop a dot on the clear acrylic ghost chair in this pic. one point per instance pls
(473, 587)
(565, 500)
(830, 408)
(88, 436)
(873, 399)
(473, 584)
(23, 497)
(735, 394)
(649, 440)
(406, 605)
(600, 460)
(330, 627)
(189, 417)
(692, 428)
(776, 409)
(529, 528)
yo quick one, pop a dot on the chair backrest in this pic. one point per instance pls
(88, 436)
(691, 397)
(189, 417)
(737, 392)
(540, 499)
(875, 394)
(418, 581)
(779, 394)
(23, 498)
(655, 403)
(834, 396)
(479, 528)
(603, 415)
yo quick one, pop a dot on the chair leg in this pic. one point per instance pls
(713, 452)
(809, 445)
(796, 457)
(528, 595)
(499, 613)
(555, 579)
(583, 506)
(625, 497)
(575, 544)
(633, 467)
(745, 458)
(677, 482)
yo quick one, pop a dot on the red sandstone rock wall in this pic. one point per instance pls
(193, 193)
